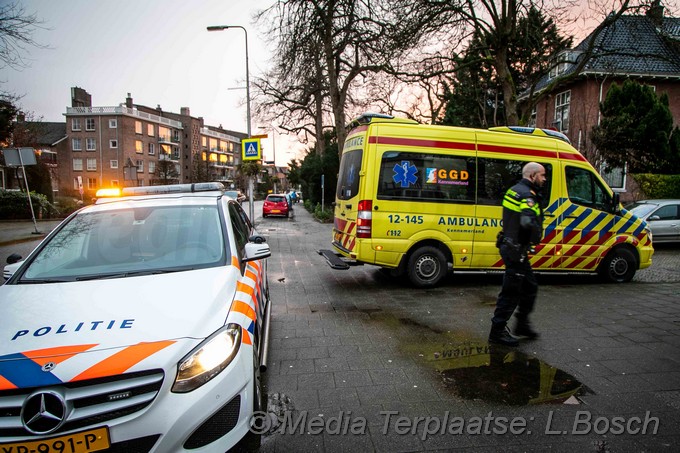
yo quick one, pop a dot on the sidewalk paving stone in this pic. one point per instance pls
(356, 336)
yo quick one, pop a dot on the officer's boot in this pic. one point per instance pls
(500, 334)
(523, 327)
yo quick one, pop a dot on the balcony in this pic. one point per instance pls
(121, 110)
(166, 156)
(220, 135)
(163, 138)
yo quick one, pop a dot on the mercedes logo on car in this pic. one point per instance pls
(43, 412)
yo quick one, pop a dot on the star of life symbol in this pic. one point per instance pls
(352, 173)
(405, 174)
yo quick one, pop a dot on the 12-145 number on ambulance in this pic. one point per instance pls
(397, 218)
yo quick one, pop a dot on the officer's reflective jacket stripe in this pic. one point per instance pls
(522, 216)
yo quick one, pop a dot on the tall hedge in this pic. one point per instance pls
(658, 186)
(14, 205)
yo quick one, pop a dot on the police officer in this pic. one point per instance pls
(522, 229)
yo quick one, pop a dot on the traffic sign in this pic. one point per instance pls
(16, 157)
(251, 149)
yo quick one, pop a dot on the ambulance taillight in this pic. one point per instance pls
(365, 219)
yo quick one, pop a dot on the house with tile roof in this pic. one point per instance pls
(645, 48)
(48, 139)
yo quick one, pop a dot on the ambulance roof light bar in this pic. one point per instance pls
(369, 117)
(532, 131)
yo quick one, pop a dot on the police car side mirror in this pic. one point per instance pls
(13, 258)
(256, 251)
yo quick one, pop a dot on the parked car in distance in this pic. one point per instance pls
(236, 195)
(662, 217)
(138, 324)
(276, 204)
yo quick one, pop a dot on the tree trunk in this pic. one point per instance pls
(318, 123)
(508, 86)
(337, 96)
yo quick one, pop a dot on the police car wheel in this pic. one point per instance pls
(619, 266)
(426, 267)
(260, 400)
(252, 441)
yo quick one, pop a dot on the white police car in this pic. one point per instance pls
(138, 324)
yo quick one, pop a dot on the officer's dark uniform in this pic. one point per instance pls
(522, 229)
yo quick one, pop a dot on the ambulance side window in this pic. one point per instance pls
(413, 176)
(496, 176)
(585, 189)
(348, 177)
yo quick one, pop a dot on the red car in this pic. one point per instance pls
(275, 204)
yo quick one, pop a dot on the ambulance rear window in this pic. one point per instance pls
(348, 178)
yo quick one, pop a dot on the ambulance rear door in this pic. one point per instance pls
(349, 190)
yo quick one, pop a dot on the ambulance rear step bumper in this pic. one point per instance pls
(336, 261)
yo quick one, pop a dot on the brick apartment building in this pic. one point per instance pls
(136, 145)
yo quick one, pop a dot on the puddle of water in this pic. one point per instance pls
(501, 375)
(477, 370)
(473, 369)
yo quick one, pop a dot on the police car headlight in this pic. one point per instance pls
(208, 359)
(649, 232)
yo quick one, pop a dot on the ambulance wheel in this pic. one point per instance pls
(426, 267)
(619, 266)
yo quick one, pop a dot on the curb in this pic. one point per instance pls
(21, 240)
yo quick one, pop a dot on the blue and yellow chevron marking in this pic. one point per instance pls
(580, 243)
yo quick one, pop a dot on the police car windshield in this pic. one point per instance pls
(129, 241)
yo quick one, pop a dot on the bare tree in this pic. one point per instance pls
(337, 57)
(165, 172)
(494, 26)
(16, 32)
(325, 48)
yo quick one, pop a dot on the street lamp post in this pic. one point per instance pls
(250, 178)
(273, 151)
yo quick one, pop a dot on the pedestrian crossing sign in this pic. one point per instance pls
(251, 149)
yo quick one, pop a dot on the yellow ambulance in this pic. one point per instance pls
(423, 200)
